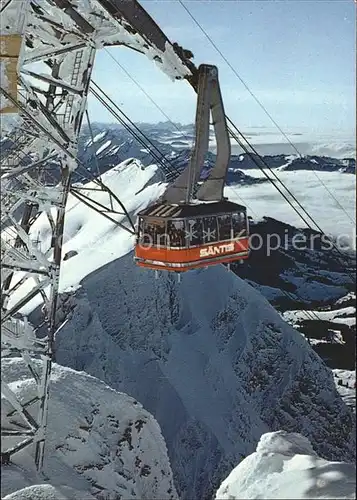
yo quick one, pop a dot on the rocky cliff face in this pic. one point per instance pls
(211, 359)
(100, 443)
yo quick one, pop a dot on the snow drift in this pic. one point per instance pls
(284, 466)
(100, 443)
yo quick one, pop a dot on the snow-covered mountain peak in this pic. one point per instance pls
(285, 466)
(211, 359)
(99, 442)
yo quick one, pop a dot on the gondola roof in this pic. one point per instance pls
(192, 210)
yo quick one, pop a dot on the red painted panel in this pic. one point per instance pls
(192, 254)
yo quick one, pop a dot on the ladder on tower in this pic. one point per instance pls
(74, 82)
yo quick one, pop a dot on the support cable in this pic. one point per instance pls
(80, 164)
(264, 109)
(168, 170)
(94, 152)
(311, 315)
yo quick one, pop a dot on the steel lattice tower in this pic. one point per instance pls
(48, 49)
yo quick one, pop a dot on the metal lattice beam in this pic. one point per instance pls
(50, 47)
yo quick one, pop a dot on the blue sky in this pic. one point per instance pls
(297, 56)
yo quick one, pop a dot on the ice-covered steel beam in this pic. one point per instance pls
(80, 21)
(170, 57)
(137, 17)
(50, 46)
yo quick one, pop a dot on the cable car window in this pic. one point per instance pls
(238, 224)
(195, 232)
(224, 226)
(210, 231)
(154, 232)
(160, 233)
(146, 237)
(176, 233)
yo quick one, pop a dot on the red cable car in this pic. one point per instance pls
(187, 231)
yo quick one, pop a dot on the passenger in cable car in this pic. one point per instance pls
(154, 233)
(176, 233)
(160, 233)
(238, 224)
(146, 235)
(224, 225)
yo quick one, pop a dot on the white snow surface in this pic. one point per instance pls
(99, 136)
(103, 147)
(346, 298)
(209, 357)
(49, 492)
(285, 466)
(100, 443)
(345, 315)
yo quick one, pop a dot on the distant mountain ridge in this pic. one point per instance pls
(114, 144)
(172, 144)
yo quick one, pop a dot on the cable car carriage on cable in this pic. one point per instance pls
(193, 225)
